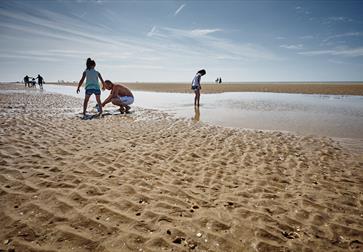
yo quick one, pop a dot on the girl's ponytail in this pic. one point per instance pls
(89, 63)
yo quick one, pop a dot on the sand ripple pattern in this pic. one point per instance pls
(145, 182)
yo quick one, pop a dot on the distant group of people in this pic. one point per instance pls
(120, 95)
(219, 80)
(31, 81)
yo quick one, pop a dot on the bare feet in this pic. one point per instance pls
(128, 109)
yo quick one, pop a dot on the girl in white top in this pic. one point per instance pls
(92, 85)
(197, 87)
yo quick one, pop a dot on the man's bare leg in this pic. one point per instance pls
(117, 102)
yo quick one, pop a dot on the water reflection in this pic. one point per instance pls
(327, 115)
(196, 117)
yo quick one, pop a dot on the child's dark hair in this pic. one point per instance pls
(89, 63)
(201, 72)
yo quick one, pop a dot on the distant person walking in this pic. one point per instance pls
(196, 86)
(40, 81)
(26, 81)
(92, 85)
(33, 82)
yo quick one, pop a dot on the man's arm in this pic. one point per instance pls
(81, 82)
(109, 98)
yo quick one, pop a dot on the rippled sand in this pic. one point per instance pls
(146, 182)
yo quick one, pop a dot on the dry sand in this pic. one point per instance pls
(146, 182)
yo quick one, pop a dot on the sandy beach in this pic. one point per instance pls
(302, 88)
(149, 182)
(346, 88)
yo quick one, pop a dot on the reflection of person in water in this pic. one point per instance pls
(196, 117)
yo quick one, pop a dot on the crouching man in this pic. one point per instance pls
(119, 96)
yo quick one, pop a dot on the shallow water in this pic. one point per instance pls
(324, 115)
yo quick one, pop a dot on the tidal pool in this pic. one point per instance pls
(324, 115)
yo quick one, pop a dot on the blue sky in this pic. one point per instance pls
(169, 41)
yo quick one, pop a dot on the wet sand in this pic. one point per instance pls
(148, 182)
(302, 88)
(339, 88)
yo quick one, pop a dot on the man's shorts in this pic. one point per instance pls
(127, 100)
(93, 91)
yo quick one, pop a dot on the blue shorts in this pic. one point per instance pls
(93, 91)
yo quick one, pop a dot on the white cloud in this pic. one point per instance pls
(179, 9)
(207, 45)
(307, 37)
(203, 32)
(339, 62)
(330, 20)
(26, 30)
(302, 10)
(195, 33)
(90, 1)
(132, 66)
(55, 25)
(346, 52)
(151, 32)
(27, 57)
(342, 35)
(292, 47)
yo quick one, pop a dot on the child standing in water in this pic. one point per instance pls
(92, 85)
(197, 87)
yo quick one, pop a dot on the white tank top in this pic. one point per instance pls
(196, 80)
